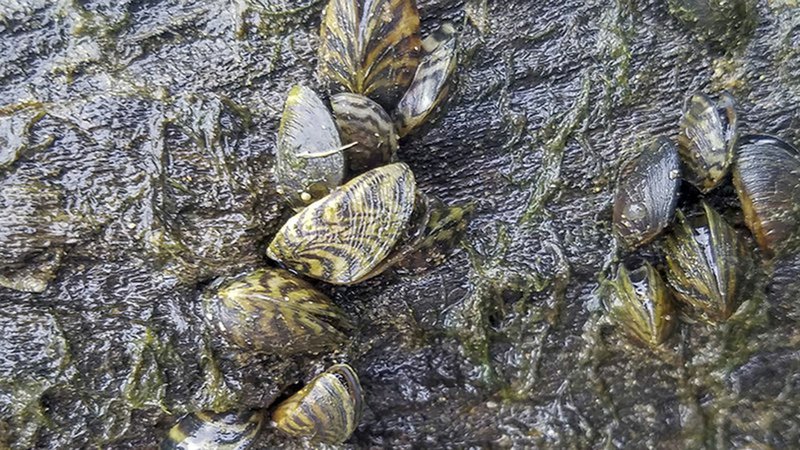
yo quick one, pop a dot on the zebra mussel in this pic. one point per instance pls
(384, 82)
(708, 265)
(358, 212)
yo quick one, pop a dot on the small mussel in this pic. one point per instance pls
(641, 303)
(273, 311)
(208, 430)
(365, 125)
(344, 237)
(727, 23)
(707, 139)
(767, 178)
(370, 47)
(326, 410)
(707, 265)
(431, 83)
(646, 194)
(310, 161)
(445, 228)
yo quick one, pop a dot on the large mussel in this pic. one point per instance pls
(344, 237)
(646, 194)
(640, 302)
(273, 311)
(707, 139)
(310, 162)
(326, 410)
(767, 179)
(217, 431)
(370, 47)
(707, 265)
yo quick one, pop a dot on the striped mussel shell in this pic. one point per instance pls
(646, 194)
(344, 237)
(444, 229)
(707, 265)
(767, 178)
(272, 311)
(326, 410)
(309, 158)
(640, 302)
(368, 128)
(215, 431)
(431, 83)
(370, 47)
(707, 139)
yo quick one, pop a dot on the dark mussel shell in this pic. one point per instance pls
(309, 159)
(365, 125)
(707, 265)
(370, 47)
(432, 81)
(640, 302)
(707, 139)
(646, 194)
(218, 431)
(273, 311)
(767, 178)
(326, 410)
(726, 23)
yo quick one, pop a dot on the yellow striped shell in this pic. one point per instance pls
(273, 311)
(326, 410)
(370, 47)
(413, 235)
(309, 160)
(364, 123)
(707, 139)
(444, 229)
(640, 302)
(344, 237)
(207, 430)
(431, 82)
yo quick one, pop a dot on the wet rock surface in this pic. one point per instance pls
(137, 142)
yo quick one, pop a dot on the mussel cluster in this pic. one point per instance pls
(708, 264)
(357, 210)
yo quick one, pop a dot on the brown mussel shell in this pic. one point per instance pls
(344, 237)
(767, 178)
(272, 311)
(707, 139)
(309, 159)
(326, 410)
(431, 82)
(707, 265)
(370, 47)
(365, 124)
(646, 194)
(219, 431)
(641, 304)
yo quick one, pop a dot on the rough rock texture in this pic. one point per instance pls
(137, 140)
